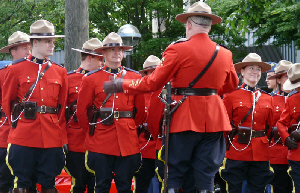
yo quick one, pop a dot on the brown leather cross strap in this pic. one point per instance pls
(45, 109)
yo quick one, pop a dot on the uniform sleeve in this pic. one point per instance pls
(231, 82)
(10, 86)
(284, 122)
(140, 107)
(160, 76)
(85, 100)
(62, 100)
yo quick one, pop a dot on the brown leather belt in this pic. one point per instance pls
(120, 114)
(194, 91)
(256, 133)
(45, 109)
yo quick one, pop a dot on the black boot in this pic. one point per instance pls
(175, 190)
(205, 191)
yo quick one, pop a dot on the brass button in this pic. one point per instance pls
(76, 91)
(55, 82)
(42, 100)
(254, 123)
(117, 119)
(42, 88)
(117, 108)
(117, 97)
(0, 121)
(28, 80)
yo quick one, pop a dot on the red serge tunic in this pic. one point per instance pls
(47, 130)
(181, 63)
(278, 152)
(76, 135)
(289, 116)
(120, 138)
(238, 103)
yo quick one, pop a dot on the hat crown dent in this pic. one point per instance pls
(42, 26)
(283, 65)
(18, 36)
(199, 7)
(294, 72)
(151, 61)
(252, 57)
(112, 38)
(92, 44)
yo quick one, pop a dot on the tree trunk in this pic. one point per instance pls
(76, 30)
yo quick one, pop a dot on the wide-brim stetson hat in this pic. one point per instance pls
(199, 8)
(16, 39)
(252, 59)
(150, 63)
(89, 46)
(43, 29)
(113, 40)
(294, 77)
(282, 68)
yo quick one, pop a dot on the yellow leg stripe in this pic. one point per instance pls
(159, 155)
(158, 176)
(222, 168)
(134, 180)
(288, 171)
(89, 169)
(73, 179)
(10, 168)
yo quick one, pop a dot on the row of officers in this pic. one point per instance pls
(101, 121)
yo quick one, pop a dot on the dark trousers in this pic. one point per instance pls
(203, 152)
(295, 174)
(282, 182)
(257, 174)
(105, 167)
(29, 164)
(6, 179)
(81, 178)
(144, 176)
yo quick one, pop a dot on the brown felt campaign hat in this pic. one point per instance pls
(294, 77)
(252, 59)
(199, 8)
(89, 46)
(43, 29)
(113, 40)
(150, 63)
(16, 39)
(282, 68)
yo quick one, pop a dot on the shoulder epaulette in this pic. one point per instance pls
(292, 92)
(18, 60)
(56, 64)
(71, 72)
(3, 67)
(129, 69)
(263, 91)
(92, 72)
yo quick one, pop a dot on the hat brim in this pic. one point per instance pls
(276, 75)
(124, 48)
(55, 36)
(289, 86)
(6, 48)
(183, 17)
(264, 66)
(148, 69)
(95, 54)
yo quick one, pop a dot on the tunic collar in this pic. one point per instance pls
(249, 88)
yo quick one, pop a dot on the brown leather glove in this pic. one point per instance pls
(296, 135)
(290, 143)
(113, 86)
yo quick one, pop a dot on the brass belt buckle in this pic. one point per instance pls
(116, 114)
(253, 134)
(43, 109)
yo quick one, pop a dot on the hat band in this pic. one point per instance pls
(282, 71)
(112, 44)
(154, 66)
(18, 42)
(295, 81)
(201, 12)
(42, 34)
(89, 51)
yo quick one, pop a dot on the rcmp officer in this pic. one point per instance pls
(35, 94)
(272, 82)
(112, 143)
(196, 131)
(19, 47)
(249, 111)
(147, 143)
(289, 116)
(75, 159)
(282, 182)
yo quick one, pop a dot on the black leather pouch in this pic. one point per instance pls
(30, 109)
(107, 116)
(244, 134)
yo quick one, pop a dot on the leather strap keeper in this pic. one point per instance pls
(123, 114)
(45, 109)
(194, 91)
(256, 133)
